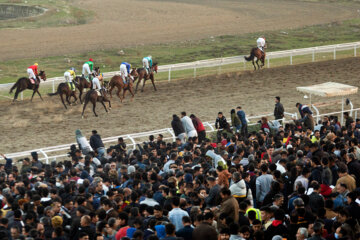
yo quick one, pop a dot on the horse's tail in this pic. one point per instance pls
(55, 93)
(251, 57)
(13, 87)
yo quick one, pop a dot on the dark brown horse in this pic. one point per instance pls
(142, 74)
(93, 97)
(117, 81)
(64, 89)
(81, 82)
(25, 83)
(260, 55)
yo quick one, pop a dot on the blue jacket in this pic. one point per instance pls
(241, 115)
(128, 66)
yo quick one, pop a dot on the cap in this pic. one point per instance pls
(289, 146)
(36, 64)
(90, 59)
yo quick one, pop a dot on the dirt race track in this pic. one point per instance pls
(122, 23)
(26, 125)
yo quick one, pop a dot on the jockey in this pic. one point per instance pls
(69, 76)
(96, 83)
(87, 69)
(125, 71)
(261, 43)
(32, 71)
(147, 63)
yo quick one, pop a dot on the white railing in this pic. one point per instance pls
(60, 151)
(218, 62)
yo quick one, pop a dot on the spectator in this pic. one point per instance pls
(279, 109)
(221, 121)
(200, 129)
(235, 121)
(205, 231)
(84, 146)
(188, 125)
(229, 205)
(302, 234)
(178, 128)
(187, 230)
(242, 117)
(176, 214)
(97, 144)
(263, 184)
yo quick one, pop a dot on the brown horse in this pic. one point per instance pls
(93, 97)
(25, 83)
(81, 82)
(142, 74)
(260, 55)
(117, 81)
(64, 89)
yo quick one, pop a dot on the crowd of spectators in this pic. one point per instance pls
(289, 182)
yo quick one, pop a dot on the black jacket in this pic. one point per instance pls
(354, 169)
(279, 111)
(177, 126)
(185, 233)
(316, 201)
(96, 142)
(221, 122)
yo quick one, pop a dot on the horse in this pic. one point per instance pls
(25, 83)
(81, 82)
(64, 89)
(260, 55)
(142, 74)
(117, 81)
(93, 97)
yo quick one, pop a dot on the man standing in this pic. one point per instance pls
(188, 125)
(200, 129)
(229, 205)
(178, 128)
(279, 109)
(263, 184)
(242, 116)
(176, 214)
(97, 144)
(187, 230)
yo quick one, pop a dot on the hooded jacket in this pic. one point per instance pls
(177, 126)
(217, 160)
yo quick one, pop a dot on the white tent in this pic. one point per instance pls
(329, 89)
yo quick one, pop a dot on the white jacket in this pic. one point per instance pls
(239, 188)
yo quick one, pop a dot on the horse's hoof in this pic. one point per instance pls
(82, 117)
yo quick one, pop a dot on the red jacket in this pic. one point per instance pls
(34, 68)
(198, 124)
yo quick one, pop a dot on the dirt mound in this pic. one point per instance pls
(28, 125)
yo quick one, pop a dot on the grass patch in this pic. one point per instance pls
(213, 47)
(59, 13)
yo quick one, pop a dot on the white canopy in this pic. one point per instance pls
(329, 89)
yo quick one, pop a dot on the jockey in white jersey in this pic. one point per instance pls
(125, 71)
(96, 83)
(70, 75)
(261, 44)
(147, 63)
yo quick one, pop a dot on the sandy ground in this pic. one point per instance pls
(27, 126)
(121, 23)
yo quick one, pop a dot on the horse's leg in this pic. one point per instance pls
(257, 63)
(118, 93)
(74, 95)
(137, 84)
(124, 91)
(86, 102)
(131, 90)
(37, 90)
(253, 62)
(142, 89)
(33, 95)
(80, 90)
(68, 99)
(94, 105)
(110, 91)
(62, 100)
(102, 102)
(16, 94)
(153, 81)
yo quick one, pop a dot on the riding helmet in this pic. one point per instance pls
(91, 60)
(36, 64)
(73, 69)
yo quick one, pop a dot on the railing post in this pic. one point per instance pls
(172, 134)
(22, 95)
(53, 86)
(334, 53)
(313, 55)
(355, 51)
(169, 74)
(45, 155)
(268, 62)
(195, 70)
(291, 58)
(244, 64)
(132, 140)
(209, 125)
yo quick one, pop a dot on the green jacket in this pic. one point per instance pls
(235, 121)
(91, 65)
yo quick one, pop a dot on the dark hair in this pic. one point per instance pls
(169, 228)
(175, 201)
(278, 98)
